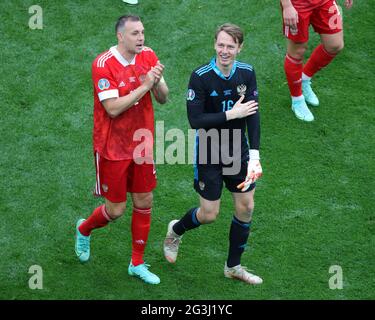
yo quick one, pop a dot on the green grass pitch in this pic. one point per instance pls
(314, 204)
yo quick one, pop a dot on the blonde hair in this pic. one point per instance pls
(233, 30)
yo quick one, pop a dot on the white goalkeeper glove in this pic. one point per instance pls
(254, 170)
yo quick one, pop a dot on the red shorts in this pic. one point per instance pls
(115, 178)
(325, 19)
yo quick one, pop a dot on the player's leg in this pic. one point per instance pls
(333, 43)
(238, 237)
(240, 227)
(112, 185)
(193, 218)
(327, 21)
(140, 225)
(297, 39)
(141, 181)
(99, 218)
(323, 54)
(208, 183)
(293, 66)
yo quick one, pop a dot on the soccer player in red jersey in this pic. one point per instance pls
(325, 17)
(123, 78)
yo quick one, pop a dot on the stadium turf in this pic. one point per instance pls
(314, 204)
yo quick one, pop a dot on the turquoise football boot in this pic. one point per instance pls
(82, 246)
(141, 271)
(301, 110)
(308, 93)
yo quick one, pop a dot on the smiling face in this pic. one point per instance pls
(227, 49)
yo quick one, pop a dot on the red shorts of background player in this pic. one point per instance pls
(325, 19)
(115, 178)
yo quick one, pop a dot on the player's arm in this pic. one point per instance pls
(254, 168)
(290, 14)
(116, 106)
(160, 89)
(105, 86)
(197, 116)
(253, 121)
(253, 130)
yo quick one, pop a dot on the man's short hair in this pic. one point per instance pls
(233, 30)
(123, 19)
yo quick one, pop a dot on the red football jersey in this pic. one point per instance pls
(114, 77)
(307, 5)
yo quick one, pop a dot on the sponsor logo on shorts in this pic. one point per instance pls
(201, 185)
(190, 95)
(293, 30)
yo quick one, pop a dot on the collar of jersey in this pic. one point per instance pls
(219, 73)
(120, 58)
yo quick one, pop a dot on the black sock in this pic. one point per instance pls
(238, 235)
(187, 222)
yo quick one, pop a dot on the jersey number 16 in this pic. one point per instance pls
(227, 105)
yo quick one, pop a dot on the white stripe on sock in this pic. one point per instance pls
(305, 77)
(297, 98)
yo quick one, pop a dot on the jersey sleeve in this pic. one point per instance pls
(104, 84)
(253, 121)
(196, 98)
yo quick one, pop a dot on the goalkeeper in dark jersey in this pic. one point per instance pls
(222, 104)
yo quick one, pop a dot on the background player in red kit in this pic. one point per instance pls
(325, 17)
(123, 78)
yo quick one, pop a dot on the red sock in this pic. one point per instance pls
(141, 222)
(293, 71)
(318, 60)
(99, 218)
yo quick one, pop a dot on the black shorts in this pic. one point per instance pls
(209, 178)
